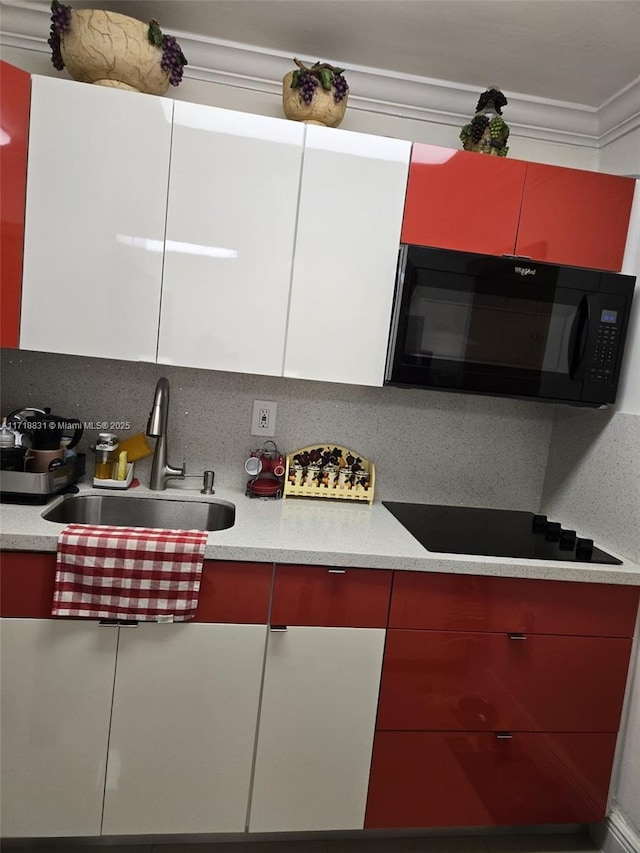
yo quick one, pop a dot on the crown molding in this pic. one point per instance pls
(620, 114)
(25, 25)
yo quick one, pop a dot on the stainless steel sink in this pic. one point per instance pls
(143, 512)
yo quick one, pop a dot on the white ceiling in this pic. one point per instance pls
(580, 51)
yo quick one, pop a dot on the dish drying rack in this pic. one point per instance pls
(28, 487)
(357, 485)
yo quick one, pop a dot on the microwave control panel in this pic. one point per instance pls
(606, 347)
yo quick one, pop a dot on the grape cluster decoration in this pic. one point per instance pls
(60, 23)
(306, 79)
(173, 59)
(323, 456)
(340, 87)
(497, 127)
(478, 127)
(487, 131)
(308, 85)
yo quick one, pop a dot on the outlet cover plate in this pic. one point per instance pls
(263, 419)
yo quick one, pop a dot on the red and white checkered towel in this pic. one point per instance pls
(128, 573)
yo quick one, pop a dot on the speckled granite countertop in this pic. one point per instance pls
(317, 532)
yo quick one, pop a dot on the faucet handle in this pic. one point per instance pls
(207, 483)
(172, 473)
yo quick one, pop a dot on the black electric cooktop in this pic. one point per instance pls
(495, 533)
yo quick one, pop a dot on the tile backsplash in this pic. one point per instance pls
(427, 446)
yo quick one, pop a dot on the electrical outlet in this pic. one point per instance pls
(263, 420)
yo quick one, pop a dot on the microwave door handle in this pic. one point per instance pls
(579, 337)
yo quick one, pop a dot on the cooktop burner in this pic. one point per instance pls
(495, 533)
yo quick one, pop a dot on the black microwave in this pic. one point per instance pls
(507, 326)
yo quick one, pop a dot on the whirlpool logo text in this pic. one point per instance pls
(525, 270)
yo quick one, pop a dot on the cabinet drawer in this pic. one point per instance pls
(422, 779)
(331, 597)
(441, 680)
(234, 592)
(26, 584)
(229, 591)
(475, 603)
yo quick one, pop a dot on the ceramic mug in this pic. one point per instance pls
(42, 461)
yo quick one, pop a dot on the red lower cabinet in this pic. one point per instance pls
(439, 779)
(330, 597)
(438, 680)
(500, 701)
(488, 603)
(234, 592)
(26, 584)
(230, 592)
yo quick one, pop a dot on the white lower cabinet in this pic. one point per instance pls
(151, 730)
(185, 708)
(316, 729)
(166, 714)
(57, 683)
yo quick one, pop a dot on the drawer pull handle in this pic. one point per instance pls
(118, 623)
(504, 735)
(278, 629)
(517, 636)
(337, 571)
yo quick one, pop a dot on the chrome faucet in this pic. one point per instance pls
(161, 471)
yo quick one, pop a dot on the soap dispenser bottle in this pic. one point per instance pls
(106, 451)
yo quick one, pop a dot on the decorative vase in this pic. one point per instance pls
(487, 132)
(110, 49)
(316, 95)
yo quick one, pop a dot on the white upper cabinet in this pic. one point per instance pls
(210, 238)
(95, 220)
(233, 197)
(350, 217)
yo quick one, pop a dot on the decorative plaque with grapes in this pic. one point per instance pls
(329, 471)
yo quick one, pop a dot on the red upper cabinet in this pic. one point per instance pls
(15, 93)
(460, 200)
(574, 217)
(475, 203)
